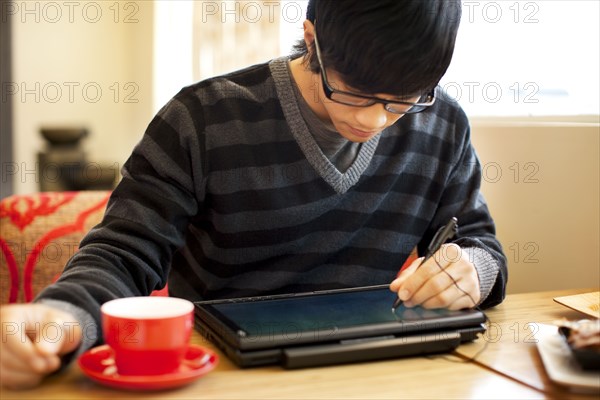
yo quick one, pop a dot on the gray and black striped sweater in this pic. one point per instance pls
(228, 194)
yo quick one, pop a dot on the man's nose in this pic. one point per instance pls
(372, 118)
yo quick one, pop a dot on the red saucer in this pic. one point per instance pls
(99, 364)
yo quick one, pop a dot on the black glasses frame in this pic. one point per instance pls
(330, 92)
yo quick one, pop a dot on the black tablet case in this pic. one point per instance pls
(330, 327)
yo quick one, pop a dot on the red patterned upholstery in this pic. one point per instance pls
(38, 235)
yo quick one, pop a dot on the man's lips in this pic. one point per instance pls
(362, 133)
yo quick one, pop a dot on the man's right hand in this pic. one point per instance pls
(34, 336)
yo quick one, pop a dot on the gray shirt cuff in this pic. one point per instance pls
(89, 327)
(487, 269)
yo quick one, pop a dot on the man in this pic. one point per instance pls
(317, 171)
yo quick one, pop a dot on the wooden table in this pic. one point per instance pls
(509, 367)
(509, 347)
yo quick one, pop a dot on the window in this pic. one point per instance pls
(512, 58)
(172, 63)
(527, 58)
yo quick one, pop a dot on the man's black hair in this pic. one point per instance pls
(400, 47)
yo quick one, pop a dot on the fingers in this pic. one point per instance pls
(19, 352)
(446, 280)
(33, 365)
(463, 302)
(451, 298)
(33, 338)
(62, 335)
(408, 271)
(422, 282)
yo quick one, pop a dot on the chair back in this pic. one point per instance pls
(39, 233)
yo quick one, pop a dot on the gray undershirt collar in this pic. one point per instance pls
(340, 151)
(341, 182)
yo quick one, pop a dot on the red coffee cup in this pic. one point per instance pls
(149, 335)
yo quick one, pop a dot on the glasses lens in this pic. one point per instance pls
(403, 108)
(423, 103)
(350, 100)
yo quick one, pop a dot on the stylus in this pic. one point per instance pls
(441, 236)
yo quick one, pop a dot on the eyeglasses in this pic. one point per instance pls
(359, 100)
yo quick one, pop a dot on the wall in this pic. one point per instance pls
(79, 63)
(542, 184)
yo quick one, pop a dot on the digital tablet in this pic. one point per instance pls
(330, 326)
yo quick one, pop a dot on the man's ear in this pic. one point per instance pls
(309, 34)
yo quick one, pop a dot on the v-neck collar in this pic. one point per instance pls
(339, 181)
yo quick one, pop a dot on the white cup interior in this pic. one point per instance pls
(147, 307)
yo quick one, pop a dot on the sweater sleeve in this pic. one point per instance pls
(463, 199)
(129, 253)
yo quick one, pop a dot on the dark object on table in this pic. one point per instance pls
(63, 164)
(63, 136)
(587, 356)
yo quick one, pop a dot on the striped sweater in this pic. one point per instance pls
(228, 194)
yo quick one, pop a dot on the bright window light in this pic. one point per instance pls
(173, 32)
(290, 25)
(512, 58)
(527, 58)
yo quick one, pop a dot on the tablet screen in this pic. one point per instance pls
(329, 315)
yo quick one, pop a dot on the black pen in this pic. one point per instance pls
(441, 236)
